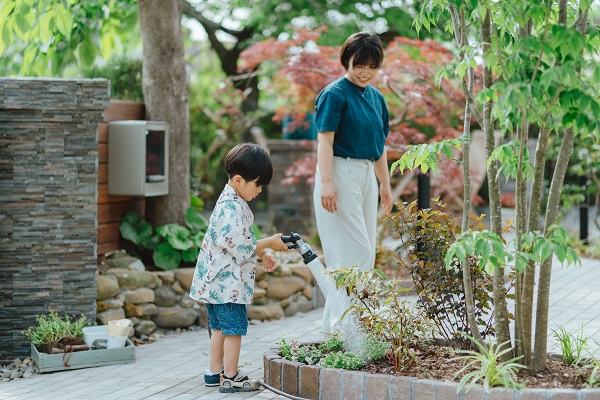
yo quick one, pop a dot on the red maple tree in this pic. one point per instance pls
(420, 110)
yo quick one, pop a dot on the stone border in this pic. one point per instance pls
(318, 383)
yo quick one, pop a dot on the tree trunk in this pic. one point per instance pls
(166, 91)
(566, 148)
(533, 215)
(522, 342)
(543, 299)
(500, 306)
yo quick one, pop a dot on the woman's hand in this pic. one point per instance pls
(329, 197)
(385, 193)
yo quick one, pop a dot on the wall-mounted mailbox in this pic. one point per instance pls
(138, 158)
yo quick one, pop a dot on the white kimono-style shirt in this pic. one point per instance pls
(226, 266)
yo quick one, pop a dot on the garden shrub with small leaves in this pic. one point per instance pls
(381, 310)
(342, 360)
(425, 236)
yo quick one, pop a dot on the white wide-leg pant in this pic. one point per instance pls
(348, 235)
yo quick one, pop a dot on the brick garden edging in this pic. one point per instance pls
(318, 383)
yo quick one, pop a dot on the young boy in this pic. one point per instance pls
(226, 266)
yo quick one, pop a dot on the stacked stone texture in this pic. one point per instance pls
(160, 299)
(48, 196)
(291, 206)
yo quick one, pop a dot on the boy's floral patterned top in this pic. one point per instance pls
(226, 266)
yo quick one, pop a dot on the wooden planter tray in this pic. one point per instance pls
(83, 359)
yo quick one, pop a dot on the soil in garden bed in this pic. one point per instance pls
(436, 363)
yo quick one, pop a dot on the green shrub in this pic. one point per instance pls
(51, 330)
(308, 354)
(125, 76)
(375, 348)
(382, 310)
(342, 360)
(334, 343)
(425, 237)
(172, 243)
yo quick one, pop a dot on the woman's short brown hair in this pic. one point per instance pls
(365, 47)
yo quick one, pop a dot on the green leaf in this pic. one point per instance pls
(194, 220)
(447, 150)
(7, 35)
(63, 20)
(461, 69)
(25, 19)
(46, 25)
(197, 239)
(190, 255)
(134, 229)
(461, 253)
(165, 257)
(560, 252)
(87, 51)
(196, 202)
(546, 251)
(569, 118)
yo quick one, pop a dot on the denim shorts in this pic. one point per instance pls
(229, 318)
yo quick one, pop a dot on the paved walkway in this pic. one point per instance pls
(172, 368)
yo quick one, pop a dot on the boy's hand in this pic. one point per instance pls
(269, 261)
(277, 244)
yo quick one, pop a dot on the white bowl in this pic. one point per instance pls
(115, 341)
(91, 333)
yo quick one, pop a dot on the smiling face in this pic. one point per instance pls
(361, 75)
(247, 190)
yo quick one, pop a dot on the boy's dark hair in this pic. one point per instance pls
(366, 48)
(251, 162)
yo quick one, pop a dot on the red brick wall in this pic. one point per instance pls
(112, 208)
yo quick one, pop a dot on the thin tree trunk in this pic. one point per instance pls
(521, 341)
(562, 163)
(165, 87)
(543, 298)
(534, 213)
(460, 32)
(500, 306)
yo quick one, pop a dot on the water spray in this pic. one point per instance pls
(352, 335)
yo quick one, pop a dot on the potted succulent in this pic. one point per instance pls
(57, 344)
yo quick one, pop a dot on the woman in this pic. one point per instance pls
(352, 123)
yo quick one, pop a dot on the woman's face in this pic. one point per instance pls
(361, 75)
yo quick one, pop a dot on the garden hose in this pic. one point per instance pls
(279, 392)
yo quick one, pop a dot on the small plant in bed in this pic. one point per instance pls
(53, 332)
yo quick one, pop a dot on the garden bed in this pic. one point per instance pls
(378, 381)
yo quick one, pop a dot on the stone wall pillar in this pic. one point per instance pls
(48, 201)
(290, 206)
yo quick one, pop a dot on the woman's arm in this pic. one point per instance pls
(325, 162)
(383, 175)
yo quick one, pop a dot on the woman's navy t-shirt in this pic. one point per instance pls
(358, 116)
